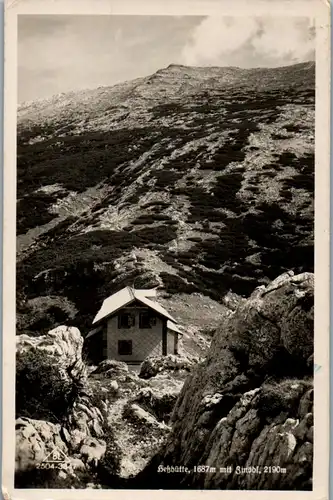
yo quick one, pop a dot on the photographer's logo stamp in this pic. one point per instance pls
(56, 459)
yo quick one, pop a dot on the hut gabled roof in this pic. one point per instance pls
(125, 297)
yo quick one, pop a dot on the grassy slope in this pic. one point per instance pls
(202, 183)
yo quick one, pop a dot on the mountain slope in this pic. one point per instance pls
(199, 180)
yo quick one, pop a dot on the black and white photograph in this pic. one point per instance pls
(165, 252)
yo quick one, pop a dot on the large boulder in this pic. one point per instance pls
(157, 364)
(50, 373)
(111, 367)
(137, 415)
(85, 417)
(159, 400)
(39, 443)
(64, 344)
(59, 408)
(35, 440)
(250, 402)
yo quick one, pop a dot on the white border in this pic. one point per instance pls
(320, 9)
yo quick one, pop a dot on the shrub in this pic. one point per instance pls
(80, 251)
(161, 204)
(294, 128)
(276, 398)
(300, 181)
(41, 392)
(166, 177)
(43, 313)
(208, 331)
(33, 210)
(175, 284)
(233, 243)
(227, 186)
(195, 239)
(286, 194)
(51, 161)
(277, 136)
(57, 231)
(167, 109)
(287, 159)
(159, 234)
(230, 153)
(152, 218)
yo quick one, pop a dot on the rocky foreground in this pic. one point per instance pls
(106, 422)
(249, 403)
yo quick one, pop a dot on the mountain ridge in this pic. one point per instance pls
(215, 70)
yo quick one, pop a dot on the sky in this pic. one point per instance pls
(60, 53)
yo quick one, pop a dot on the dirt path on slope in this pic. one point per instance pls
(137, 442)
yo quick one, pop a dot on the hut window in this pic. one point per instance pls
(125, 347)
(146, 320)
(126, 320)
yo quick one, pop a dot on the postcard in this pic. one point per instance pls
(166, 249)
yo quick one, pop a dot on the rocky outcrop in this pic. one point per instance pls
(157, 364)
(35, 440)
(49, 456)
(232, 300)
(109, 367)
(135, 414)
(159, 401)
(63, 344)
(80, 430)
(246, 412)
